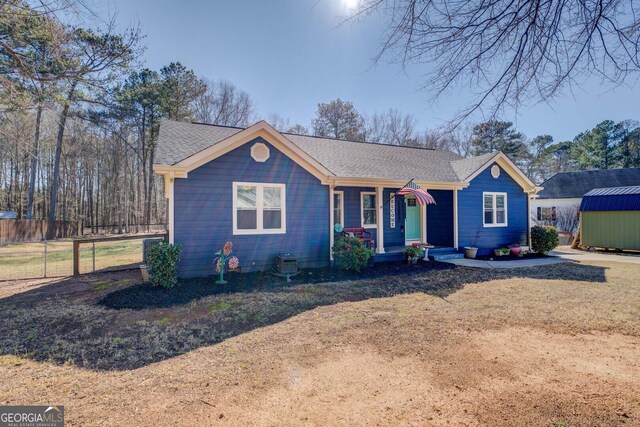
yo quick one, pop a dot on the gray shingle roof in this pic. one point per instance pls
(178, 140)
(368, 160)
(569, 185)
(466, 167)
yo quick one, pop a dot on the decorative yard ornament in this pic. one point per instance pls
(223, 261)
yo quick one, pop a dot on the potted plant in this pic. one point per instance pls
(515, 249)
(223, 261)
(501, 252)
(412, 253)
(472, 251)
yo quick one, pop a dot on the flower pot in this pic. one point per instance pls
(144, 272)
(515, 251)
(470, 252)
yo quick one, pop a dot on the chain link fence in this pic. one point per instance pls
(56, 258)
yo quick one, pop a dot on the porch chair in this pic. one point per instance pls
(359, 233)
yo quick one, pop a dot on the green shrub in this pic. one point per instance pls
(350, 253)
(412, 251)
(544, 239)
(162, 263)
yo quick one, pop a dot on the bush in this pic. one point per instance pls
(350, 253)
(544, 238)
(162, 263)
(412, 251)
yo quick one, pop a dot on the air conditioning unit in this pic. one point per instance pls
(287, 264)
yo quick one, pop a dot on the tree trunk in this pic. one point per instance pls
(58, 154)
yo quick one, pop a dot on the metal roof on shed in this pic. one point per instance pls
(612, 199)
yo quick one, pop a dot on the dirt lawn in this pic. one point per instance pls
(558, 346)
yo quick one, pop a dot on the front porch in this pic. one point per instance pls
(395, 222)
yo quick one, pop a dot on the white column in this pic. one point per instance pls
(380, 221)
(423, 221)
(331, 224)
(455, 219)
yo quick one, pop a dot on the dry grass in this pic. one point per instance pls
(559, 346)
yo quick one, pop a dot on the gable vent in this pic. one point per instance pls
(495, 171)
(260, 152)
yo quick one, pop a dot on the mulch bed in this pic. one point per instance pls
(530, 255)
(145, 296)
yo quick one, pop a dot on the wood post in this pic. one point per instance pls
(76, 257)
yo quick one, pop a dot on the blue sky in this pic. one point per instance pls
(291, 54)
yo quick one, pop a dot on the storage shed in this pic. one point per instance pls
(610, 218)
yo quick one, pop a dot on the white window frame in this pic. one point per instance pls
(494, 215)
(341, 194)
(375, 208)
(260, 186)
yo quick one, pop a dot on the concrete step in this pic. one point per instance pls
(446, 256)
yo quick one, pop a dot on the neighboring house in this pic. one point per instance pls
(611, 218)
(272, 193)
(562, 193)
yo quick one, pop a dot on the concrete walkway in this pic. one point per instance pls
(563, 254)
(566, 252)
(516, 263)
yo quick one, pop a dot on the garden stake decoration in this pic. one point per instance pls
(223, 260)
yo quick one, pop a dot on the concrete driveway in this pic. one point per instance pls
(560, 255)
(567, 253)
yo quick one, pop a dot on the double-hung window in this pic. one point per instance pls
(495, 209)
(369, 211)
(259, 208)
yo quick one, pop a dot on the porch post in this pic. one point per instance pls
(331, 220)
(380, 221)
(455, 219)
(423, 221)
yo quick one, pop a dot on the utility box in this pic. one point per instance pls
(287, 264)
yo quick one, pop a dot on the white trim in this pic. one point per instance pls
(394, 183)
(260, 186)
(423, 223)
(494, 208)
(169, 195)
(333, 208)
(362, 224)
(379, 219)
(455, 218)
(332, 231)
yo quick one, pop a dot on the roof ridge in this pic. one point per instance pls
(315, 136)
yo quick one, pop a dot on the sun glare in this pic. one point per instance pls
(351, 4)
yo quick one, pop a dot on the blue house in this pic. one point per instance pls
(271, 192)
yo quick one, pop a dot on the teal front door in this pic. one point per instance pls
(412, 220)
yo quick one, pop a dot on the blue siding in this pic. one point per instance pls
(470, 212)
(352, 217)
(440, 218)
(393, 236)
(203, 213)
